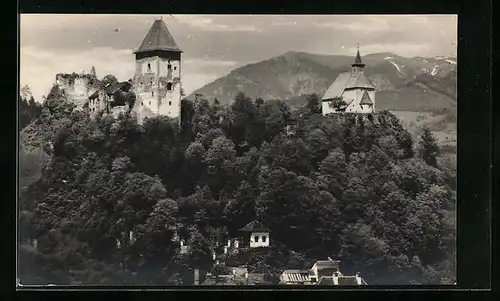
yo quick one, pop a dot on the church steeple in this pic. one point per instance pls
(357, 66)
(357, 60)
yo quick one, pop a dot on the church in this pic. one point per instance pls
(156, 83)
(351, 92)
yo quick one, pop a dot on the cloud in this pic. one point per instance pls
(208, 24)
(210, 62)
(38, 67)
(214, 45)
(408, 50)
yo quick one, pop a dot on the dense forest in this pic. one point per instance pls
(29, 110)
(355, 188)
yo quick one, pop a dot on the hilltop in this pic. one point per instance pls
(404, 83)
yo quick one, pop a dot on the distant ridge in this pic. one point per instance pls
(430, 81)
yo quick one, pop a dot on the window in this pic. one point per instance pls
(169, 103)
(150, 103)
(175, 68)
(152, 93)
(264, 239)
(169, 66)
(256, 239)
(142, 103)
(149, 67)
(169, 86)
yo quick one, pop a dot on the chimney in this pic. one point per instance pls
(336, 278)
(196, 277)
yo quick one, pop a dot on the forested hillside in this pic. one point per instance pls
(355, 188)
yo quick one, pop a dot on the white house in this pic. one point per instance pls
(256, 235)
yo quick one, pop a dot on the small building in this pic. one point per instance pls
(351, 92)
(255, 235)
(325, 268)
(110, 99)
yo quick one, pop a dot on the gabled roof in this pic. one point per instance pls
(158, 38)
(337, 88)
(359, 81)
(111, 89)
(254, 226)
(365, 99)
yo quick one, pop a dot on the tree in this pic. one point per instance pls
(428, 149)
(92, 72)
(109, 80)
(313, 104)
(200, 255)
(337, 103)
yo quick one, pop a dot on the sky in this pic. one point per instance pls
(214, 45)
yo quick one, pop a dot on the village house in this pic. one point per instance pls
(351, 92)
(323, 272)
(110, 99)
(255, 235)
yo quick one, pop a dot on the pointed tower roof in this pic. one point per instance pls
(357, 60)
(365, 99)
(158, 38)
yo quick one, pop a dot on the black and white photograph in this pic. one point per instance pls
(181, 150)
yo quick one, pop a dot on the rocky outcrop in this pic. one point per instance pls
(77, 87)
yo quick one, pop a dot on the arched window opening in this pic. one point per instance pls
(149, 67)
(264, 238)
(169, 86)
(256, 239)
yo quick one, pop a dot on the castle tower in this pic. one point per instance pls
(157, 79)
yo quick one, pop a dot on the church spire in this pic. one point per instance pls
(357, 60)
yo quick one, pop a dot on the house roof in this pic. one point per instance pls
(296, 276)
(94, 95)
(112, 89)
(326, 281)
(348, 280)
(327, 264)
(158, 38)
(359, 81)
(337, 87)
(254, 226)
(365, 99)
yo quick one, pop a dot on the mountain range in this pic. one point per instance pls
(403, 84)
